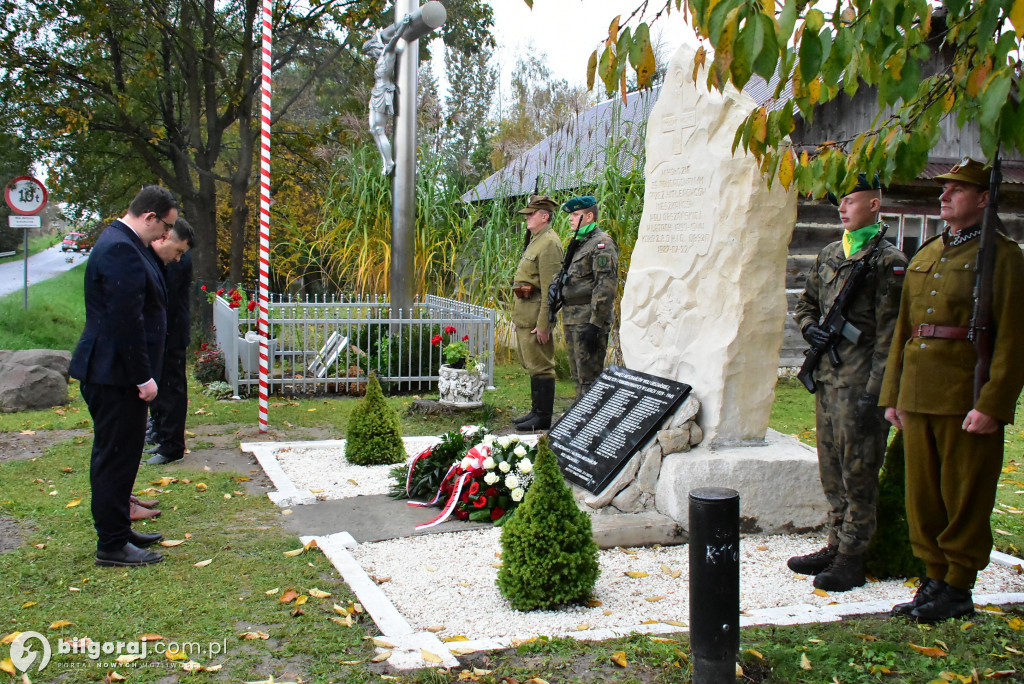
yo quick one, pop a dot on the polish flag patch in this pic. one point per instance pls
(899, 270)
(600, 245)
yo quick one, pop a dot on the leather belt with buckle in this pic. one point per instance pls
(944, 332)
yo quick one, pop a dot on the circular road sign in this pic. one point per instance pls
(25, 195)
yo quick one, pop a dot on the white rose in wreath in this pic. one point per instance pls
(489, 463)
(491, 478)
(525, 466)
(504, 466)
(504, 442)
(512, 482)
(517, 494)
(519, 451)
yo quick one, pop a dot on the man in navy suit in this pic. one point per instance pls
(118, 361)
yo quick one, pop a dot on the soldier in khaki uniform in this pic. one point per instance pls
(954, 444)
(541, 259)
(851, 428)
(589, 293)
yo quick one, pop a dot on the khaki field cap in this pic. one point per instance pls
(967, 171)
(539, 203)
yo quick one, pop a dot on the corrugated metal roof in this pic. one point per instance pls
(1013, 171)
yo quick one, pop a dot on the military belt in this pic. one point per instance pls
(945, 332)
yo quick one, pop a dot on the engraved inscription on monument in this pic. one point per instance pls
(677, 217)
(596, 437)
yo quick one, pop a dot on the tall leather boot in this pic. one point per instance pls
(533, 402)
(543, 406)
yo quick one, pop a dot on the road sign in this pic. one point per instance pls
(24, 221)
(25, 195)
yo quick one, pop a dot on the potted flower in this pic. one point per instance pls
(461, 379)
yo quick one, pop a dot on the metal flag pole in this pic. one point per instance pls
(263, 327)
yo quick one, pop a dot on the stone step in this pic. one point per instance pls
(636, 529)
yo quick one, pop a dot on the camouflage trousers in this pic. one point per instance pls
(849, 459)
(584, 365)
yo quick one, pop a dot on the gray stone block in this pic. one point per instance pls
(636, 529)
(30, 387)
(54, 359)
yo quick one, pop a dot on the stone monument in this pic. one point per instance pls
(704, 304)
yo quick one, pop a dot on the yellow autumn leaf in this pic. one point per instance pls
(252, 636)
(820, 592)
(201, 487)
(350, 662)
(381, 643)
(879, 670)
(9, 639)
(60, 623)
(172, 542)
(28, 604)
(805, 662)
(619, 658)
(271, 592)
(192, 666)
(316, 491)
(457, 637)
(636, 574)
(301, 600)
(653, 599)
(536, 680)
(481, 672)
(203, 563)
(316, 593)
(966, 626)
(594, 603)
(383, 655)
(435, 628)
(126, 658)
(293, 553)
(756, 654)
(649, 622)
(289, 596)
(866, 637)
(113, 676)
(151, 637)
(674, 623)
(164, 481)
(73, 503)
(786, 174)
(176, 655)
(928, 651)
(7, 666)
(1015, 624)
(430, 657)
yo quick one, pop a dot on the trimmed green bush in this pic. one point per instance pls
(548, 552)
(374, 434)
(890, 553)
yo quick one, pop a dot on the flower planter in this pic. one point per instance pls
(461, 387)
(249, 352)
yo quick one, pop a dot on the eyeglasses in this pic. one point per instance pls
(168, 226)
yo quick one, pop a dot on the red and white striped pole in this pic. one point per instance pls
(264, 298)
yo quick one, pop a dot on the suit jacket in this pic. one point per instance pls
(178, 276)
(125, 312)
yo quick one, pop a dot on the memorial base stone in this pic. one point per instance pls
(780, 490)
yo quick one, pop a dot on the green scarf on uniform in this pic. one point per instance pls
(854, 240)
(584, 232)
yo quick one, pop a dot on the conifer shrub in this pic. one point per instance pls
(890, 553)
(374, 434)
(548, 552)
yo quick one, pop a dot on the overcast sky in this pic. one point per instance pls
(567, 31)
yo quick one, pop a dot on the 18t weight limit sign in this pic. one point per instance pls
(25, 195)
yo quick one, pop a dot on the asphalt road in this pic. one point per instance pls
(41, 266)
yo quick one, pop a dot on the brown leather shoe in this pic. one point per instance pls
(149, 503)
(138, 512)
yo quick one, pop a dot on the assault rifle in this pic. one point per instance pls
(555, 297)
(981, 319)
(835, 323)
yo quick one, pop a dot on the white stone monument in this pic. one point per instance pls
(704, 301)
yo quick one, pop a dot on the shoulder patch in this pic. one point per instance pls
(600, 245)
(602, 261)
(899, 270)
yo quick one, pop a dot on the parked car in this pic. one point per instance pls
(76, 242)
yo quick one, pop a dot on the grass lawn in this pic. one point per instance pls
(55, 316)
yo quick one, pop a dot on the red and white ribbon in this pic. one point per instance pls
(449, 507)
(412, 466)
(263, 326)
(440, 490)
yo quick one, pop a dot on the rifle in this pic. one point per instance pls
(555, 297)
(835, 322)
(981, 319)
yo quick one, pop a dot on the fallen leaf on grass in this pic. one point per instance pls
(203, 563)
(928, 651)
(805, 662)
(60, 623)
(756, 654)
(9, 639)
(125, 659)
(301, 600)
(380, 643)
(289, 596)
(172, 542)
(350, 662)
(1016, 624)
(999, 674)
(53, 493)
(164, 481)
(954, 677)
(347, 620)
(536, 680)
(619, 658)
(151, 637)
(175, 655)
(252, 636)
(382, 656)
(297, 612)
(28, 604)
(201, 487)
(73, 503)
(7, 666)
(316, 593)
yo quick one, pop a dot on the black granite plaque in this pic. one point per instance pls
(596, 437)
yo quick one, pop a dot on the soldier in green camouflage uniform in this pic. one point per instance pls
(589, 292)
(541, 259)
(851, 428)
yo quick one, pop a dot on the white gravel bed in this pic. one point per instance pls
(448, 580)
(325, 472)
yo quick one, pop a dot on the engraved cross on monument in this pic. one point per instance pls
(395, 49)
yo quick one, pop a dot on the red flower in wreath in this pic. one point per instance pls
(480, 502)
(496, 513)
(461, 514)
(474, 488)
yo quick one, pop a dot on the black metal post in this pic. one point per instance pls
(714, 584)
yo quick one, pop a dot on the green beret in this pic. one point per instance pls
(862, 185)
(967, 171)
(577, 203)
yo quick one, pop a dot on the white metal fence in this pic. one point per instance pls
(329, 345)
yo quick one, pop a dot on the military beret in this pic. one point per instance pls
(862, 184)
(539, 203)
(577, 203)
(967, 171)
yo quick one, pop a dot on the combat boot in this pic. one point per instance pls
(950, 603)
(928, 590)
(543, 407)
(533, 402)
(813, 563)
(845, 573)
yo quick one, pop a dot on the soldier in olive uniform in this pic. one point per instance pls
(589, 293)
(851, 428)
(954, 442)
(541, 259)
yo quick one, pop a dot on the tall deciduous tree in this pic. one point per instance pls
(468, 104)
(959, 59)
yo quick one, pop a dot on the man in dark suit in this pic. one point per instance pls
(170, 407)
(118, 361)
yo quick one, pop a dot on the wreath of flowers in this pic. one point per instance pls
(423, 476)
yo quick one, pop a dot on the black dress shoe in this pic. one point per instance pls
(950, 603)
(928, 590)
(128, 555)
(142, 540)
(160, 459)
